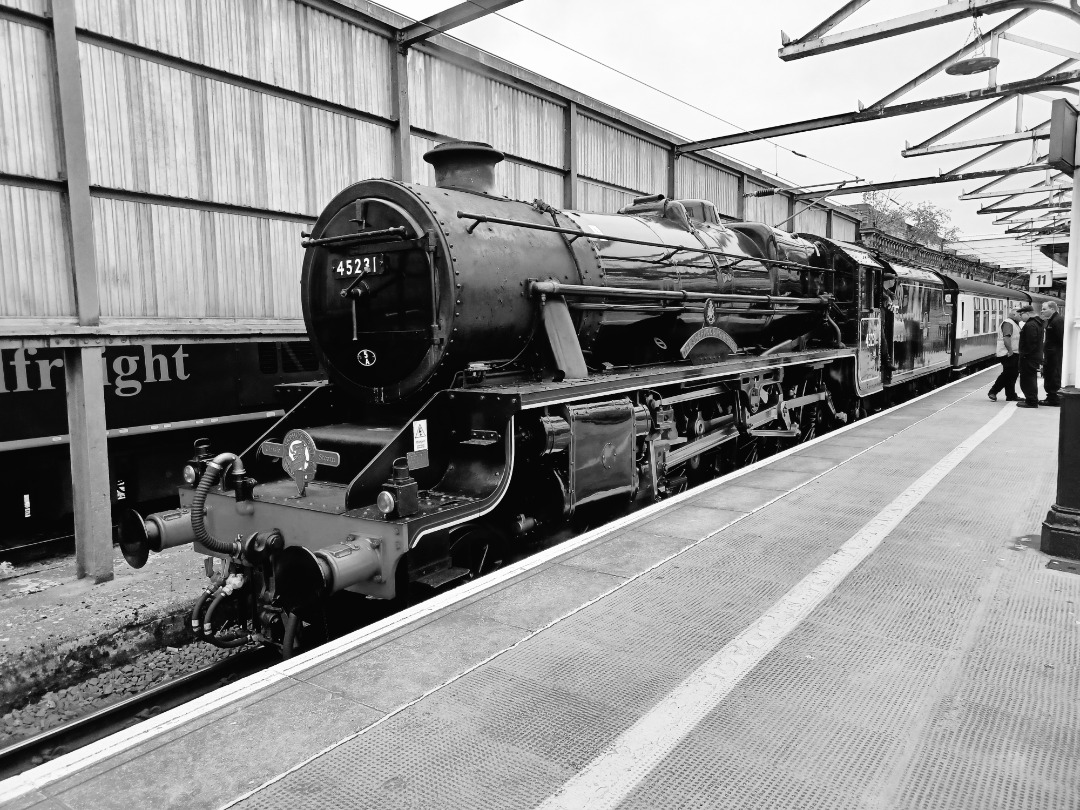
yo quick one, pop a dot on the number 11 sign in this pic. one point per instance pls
(1040, 280)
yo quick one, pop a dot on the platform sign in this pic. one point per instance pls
(1064, 153)
(1040, 280)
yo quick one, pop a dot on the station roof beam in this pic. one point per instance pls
(447, 19)
(874, 114)
(812, 44)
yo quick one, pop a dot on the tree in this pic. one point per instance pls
(921, 222)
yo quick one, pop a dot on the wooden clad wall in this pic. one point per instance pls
(215, 130)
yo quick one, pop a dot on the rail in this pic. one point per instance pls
(107, 720)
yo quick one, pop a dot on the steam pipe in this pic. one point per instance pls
(832, 323)
(209, 478)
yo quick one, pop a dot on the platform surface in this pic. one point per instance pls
(865, 622)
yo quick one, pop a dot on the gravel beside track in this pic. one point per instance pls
(93, 723)
(57, 632)
(105, 688)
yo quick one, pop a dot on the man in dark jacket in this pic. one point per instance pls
(1052, 348)
(1031, 355)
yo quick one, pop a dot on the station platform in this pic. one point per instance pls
(864, 621)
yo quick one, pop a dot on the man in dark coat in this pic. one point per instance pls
(1052, 348)
(1031, 355)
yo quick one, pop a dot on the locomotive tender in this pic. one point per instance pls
(496, 366)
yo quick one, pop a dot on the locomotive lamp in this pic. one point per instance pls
(400, 496)
(196, 466)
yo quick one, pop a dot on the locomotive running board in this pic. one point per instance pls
(544, 394)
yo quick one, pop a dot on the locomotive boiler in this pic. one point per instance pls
(404, 285)
(496, 366)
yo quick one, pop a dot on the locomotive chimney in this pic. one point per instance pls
(468, 165)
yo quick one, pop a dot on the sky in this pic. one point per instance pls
(720, 56)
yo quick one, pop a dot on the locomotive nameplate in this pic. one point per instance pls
(708, 333)
(370, 265)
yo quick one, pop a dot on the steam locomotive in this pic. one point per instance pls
(497, 366)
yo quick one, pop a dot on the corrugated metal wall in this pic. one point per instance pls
(458, 103)
(811, 220)
(282, 43)
(620, 158)
(770, 210)
(696, 180)
(35, 262)
(846, 230)
(29, 143)
(595, 197)
(216, 129)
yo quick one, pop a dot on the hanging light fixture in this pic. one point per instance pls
(978, 62)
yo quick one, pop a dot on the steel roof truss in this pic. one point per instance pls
(825, 122)
(1015, 192)
(913, 22)
(1012, 137)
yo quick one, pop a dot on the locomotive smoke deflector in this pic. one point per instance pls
(466, 165)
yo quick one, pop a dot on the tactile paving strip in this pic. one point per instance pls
(845, 687)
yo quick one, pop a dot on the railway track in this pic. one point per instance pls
(71, 736)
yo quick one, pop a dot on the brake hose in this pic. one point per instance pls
(208, 479)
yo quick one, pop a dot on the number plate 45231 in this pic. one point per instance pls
(360, 266)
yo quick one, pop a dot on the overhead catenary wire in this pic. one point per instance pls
(673, 97)
(688, 104)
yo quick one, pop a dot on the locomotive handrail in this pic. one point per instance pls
(306, 242)
(576, 234)
(665, 309)
(558, 288)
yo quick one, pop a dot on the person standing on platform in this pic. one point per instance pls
(1052, 348)
(1008, 341)
(1031, 355)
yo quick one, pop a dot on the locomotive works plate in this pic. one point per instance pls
(360, 266)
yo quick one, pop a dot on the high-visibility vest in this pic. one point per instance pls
(1001, 352)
